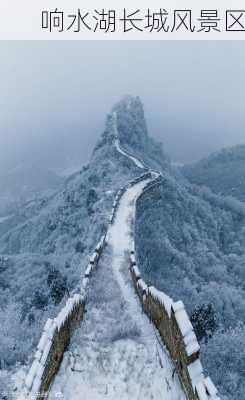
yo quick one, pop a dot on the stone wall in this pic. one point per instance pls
(175, 329)
(57, 333)
(52, 345)
(169, 318)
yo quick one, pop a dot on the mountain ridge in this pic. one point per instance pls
(222, 172)
(54, 236)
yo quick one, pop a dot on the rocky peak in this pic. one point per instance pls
(130, 122)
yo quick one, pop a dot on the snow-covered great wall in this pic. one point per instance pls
(173, 372)
(176, 331)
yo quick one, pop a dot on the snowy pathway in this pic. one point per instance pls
(135, 160)
(115, 353)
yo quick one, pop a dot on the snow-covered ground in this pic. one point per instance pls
(137, 162)
(115, 354)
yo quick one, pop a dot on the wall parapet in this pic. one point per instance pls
(121, 191)
(57, 332)
(177, 333)
(52, 345)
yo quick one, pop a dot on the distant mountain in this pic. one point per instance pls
(25, 183)
(222, 172)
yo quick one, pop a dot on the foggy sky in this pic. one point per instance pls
(55, 96)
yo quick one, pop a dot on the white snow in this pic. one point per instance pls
(165, 300)
(2, 219)
(36, 386)
(18, 379)
(61, 318)
(212, 390)
(178, 305)
(38, 355)
(42, 342)
(195, 372)
(46, 352)
(88, 271)
(191, 343)
(136, 271)
(183, 321)
(141, 284)
(206, 390)
(192, 348)
(116, 353)
(48, 325)
(100, 244)
(137, 162)
(67, 310)
(186, 328)
(85, 283)
(31, 374)
(93, 258)
(40, 370)
(200, 388)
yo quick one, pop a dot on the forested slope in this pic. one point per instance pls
(44, 247)
(191, 244)
(223, 172)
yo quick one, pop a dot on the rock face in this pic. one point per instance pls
(131, 123)
(133, 133)
(223, 172)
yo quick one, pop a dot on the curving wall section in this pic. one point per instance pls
(176, 331)
(169, 317)
(57, 332)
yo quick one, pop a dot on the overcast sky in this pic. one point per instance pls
(55, 95)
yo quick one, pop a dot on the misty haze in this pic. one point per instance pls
(122, 214)
(54, 97)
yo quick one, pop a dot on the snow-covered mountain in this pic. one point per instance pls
(45, 244)
(189, 241)
(25, 183)
(222, 172)
(191, 244)
(133, 135)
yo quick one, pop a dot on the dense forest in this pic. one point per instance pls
(191, 244)
(222, 172)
